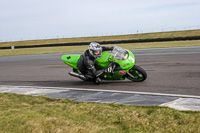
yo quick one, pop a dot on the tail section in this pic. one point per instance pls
(71, 60)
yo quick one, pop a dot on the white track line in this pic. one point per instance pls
(113, 91)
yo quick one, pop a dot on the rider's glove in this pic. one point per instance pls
(109, 68)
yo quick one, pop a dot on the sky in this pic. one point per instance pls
(47, 19)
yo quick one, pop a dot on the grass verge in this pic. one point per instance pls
(21, 113)
(65, 49)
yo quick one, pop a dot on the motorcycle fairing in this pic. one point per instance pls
(71, 60)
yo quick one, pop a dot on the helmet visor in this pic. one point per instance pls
(97, 52)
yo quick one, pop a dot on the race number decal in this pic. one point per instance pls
(68, 57)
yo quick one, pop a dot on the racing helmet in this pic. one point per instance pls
(95, 50)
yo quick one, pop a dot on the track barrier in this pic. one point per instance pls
(108, 42)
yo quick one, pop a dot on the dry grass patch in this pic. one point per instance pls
(170, 34)
(66, 49)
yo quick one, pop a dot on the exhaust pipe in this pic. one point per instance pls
(82, 77)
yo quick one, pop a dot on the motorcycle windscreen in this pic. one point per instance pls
(71, 60)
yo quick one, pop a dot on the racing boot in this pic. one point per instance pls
(98, 80)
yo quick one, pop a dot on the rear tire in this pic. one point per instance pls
(137, 74)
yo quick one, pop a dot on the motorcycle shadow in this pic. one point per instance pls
(74, 83)
(79, 83)
(104, 82)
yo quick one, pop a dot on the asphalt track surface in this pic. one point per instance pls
(170, 70)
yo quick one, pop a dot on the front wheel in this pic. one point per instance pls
(137, 74)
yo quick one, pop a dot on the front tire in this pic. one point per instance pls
(137, 74)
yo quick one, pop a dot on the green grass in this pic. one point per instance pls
(185, 33)
(64, 49)
(20, 113)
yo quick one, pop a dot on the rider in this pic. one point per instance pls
(87, 61)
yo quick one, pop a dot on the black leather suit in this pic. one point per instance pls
(86, 64)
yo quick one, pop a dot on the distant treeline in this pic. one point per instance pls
(109, 42)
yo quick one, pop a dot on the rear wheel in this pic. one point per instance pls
(137, 74)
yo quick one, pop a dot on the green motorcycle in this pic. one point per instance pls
(123, 63)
